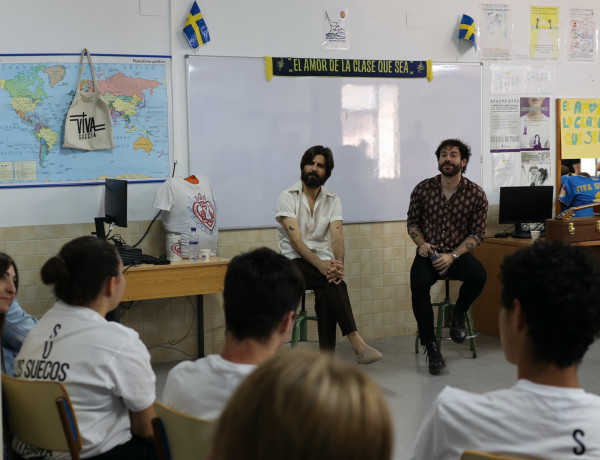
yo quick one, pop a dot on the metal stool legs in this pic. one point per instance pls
(445, 309)
(300, 329)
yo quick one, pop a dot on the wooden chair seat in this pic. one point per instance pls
(40, 414)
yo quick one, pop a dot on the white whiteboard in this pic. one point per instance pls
(248, 135)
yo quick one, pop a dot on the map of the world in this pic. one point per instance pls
(35, 94)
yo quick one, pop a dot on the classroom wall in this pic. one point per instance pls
(34, 223)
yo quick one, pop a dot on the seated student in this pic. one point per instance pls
(17, 324)
(550, 316)
(261, 295)
(9, 284)
(578, 190)
(104, 365)
(303, 405)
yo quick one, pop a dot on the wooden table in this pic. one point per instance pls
(177, 279)
(491, 253)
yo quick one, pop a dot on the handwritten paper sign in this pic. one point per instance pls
(579, 128)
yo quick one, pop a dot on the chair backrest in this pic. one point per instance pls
(472, 455)
(40, 414)
(180, 436)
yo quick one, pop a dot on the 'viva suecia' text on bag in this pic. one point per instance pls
(88, 125)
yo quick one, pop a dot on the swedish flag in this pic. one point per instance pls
(195, 28)
(466, 30)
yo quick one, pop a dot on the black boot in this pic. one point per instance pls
(458, 330)
(435, 359)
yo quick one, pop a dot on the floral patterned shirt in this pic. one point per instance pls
(446, 223)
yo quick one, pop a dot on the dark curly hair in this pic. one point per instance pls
(465, 150)
(558, 286)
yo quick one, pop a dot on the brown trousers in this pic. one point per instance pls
(332, 304)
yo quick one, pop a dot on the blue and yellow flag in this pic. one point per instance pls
(466, 30)
(195, 28)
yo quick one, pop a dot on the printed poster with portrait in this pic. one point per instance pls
(520, 141)
(535, 123)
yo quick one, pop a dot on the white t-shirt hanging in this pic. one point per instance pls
(185, 205)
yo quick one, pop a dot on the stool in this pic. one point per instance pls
(300, 330)
(445, 309)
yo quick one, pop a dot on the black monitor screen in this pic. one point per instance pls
(525, 204)
(115, 202)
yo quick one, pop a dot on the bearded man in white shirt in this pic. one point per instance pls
(309, 223)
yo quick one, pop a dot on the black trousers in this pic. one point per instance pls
(134, 449)
(332, 304)
(422, 276)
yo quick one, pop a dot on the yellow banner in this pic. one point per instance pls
(579, 128)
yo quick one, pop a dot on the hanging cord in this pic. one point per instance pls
(155, 217)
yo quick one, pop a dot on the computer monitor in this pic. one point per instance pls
(527, 204)
(115, 206)
(115, 202)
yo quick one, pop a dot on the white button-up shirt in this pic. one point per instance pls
(314, 228)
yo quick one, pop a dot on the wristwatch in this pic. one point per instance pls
(455, 255)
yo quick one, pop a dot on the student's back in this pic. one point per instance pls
(550, 316)
(261, 294)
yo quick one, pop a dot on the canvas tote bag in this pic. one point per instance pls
(88, 125)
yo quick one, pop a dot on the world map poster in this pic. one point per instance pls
(37, 91)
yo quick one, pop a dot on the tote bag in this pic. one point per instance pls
(88, 126)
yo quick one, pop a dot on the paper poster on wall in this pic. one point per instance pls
(544, 32)
(504, 124)
(495, 29)
(579, 128)
(336, 28)
(539, 79)
(582, 38)
(535, 123)
(506, 79)
(506, 170)
(520, 141)
(535, 168)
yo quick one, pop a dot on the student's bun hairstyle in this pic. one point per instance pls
(80, 270)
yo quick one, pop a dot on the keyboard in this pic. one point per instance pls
(148, 259)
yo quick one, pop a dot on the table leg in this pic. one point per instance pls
(200, 327)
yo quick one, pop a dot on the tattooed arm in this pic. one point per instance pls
(468, 244)
(425, 249)
(327, 267)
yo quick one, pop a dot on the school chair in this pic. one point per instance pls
(180, 436)
(40, 414)
(300, 330)
(445, 310)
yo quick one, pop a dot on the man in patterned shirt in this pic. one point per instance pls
(447, 215)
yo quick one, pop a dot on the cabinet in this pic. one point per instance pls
(491, 253)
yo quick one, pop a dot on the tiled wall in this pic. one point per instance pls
(378, 259)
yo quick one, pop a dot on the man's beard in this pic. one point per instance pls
(456, 169)
(312, 179)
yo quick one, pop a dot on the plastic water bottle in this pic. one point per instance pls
(194, 248)
(436, 256)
